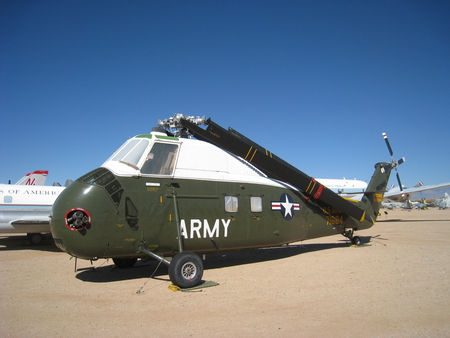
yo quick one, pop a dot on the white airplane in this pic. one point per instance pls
(30, 196)
(395, 195)
(37, 177)
(343, 185)
(37, 200)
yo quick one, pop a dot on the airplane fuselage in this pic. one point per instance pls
(35, 205)
(28, 195)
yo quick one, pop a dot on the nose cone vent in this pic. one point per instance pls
(77, 219)
(102, 177)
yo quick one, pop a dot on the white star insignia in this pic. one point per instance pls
(287, 207)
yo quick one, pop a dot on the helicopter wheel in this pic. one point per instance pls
(356, 240)
(123, 263)
(186, 269)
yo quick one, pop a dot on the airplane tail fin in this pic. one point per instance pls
(37, 177)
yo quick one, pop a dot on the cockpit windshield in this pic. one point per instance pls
(132, 152)
(160, 160)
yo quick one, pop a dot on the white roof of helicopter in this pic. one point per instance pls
(195, 159)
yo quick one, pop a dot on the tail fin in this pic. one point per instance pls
(37, 177)
(377, 187)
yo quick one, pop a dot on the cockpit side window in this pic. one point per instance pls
(131, 152)
(160, 160)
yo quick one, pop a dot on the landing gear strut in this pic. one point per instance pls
(185, 269)
(356, 240)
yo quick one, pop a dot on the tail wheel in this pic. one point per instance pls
(356, 240)
(186, 269)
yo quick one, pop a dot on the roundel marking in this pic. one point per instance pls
(286, 206)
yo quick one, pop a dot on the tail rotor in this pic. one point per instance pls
(394, 162)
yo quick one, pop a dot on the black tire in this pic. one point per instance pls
(186, 269)
(124, 263)
(356, 240)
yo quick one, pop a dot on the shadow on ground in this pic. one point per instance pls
(108, 272)
(21, 242)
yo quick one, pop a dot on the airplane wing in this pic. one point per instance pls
(24, 221)
(407, 193)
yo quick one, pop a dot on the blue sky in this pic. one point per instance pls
(315, 82)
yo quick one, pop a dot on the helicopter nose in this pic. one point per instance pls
(82, 214)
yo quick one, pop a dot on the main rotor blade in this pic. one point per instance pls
(400, 161)
(272, 165)
(388, 144)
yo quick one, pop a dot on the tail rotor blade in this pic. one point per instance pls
(388, 144)
(400, 183)
(394, 163)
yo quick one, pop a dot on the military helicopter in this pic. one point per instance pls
(183, 191)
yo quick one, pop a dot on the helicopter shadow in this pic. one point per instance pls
(155, 270)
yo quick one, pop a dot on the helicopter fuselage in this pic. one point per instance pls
(168, 195)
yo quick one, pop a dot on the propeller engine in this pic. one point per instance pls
(394, 162)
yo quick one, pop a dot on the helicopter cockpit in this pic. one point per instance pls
(143, 155)
(171, 152)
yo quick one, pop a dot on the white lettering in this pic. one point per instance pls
(197, 228)
(196, 225)
(183, 228)
(225, 224)
(207, 233)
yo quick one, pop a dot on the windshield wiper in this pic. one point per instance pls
(129, 164)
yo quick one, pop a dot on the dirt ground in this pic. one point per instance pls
(395, 285)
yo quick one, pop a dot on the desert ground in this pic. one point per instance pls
(394, 285)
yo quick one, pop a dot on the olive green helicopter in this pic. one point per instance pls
(185, 190)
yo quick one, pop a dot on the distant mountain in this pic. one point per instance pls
(436, 193)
